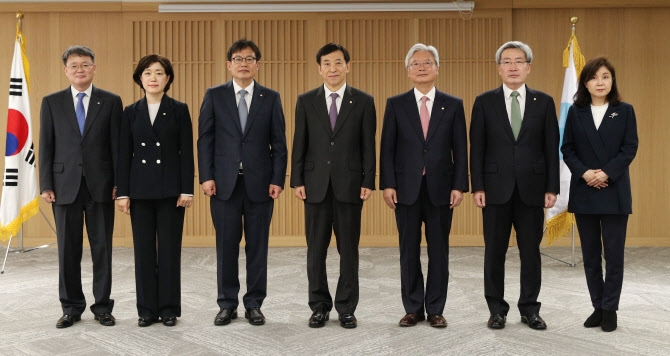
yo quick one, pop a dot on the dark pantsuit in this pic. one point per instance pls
(437, 222)
(157, 236)
(69, 219)
(528, 223)
(595, 232)
(321, 220)
(229, 217)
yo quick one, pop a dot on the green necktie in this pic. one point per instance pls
(516, 115)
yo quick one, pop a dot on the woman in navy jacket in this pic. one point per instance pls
(599, 144)
(155, 172)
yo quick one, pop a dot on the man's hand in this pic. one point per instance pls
(123, 205)
(274, 191)
(549, 200)
(299, 192)
(185, 200)
(480, 198)
(455, 199)
(365, 193)
(49, 196)
(390, 197)
(209, 187)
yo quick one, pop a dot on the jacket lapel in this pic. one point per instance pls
(592, 134)
(229, 100)
(348, 102)
(68, 108)
(412, 113)
(257, 100)
(163, 117)
(321, 109)
(436, 114)
(94, 105)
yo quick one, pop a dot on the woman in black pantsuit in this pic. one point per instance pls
(599, 144)
(156, 173)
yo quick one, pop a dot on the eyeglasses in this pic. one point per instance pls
(515, 63)
(239, 60)
(425, 64)
(84, 66)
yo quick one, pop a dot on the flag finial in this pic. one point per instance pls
(574, 21)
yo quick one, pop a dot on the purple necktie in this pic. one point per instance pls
(333, 110)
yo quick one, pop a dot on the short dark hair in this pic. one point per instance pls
(330, 48)
(241, 44)
(583, 97)
(78, 50)
(146, 62)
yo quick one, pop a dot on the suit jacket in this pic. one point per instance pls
(156, 161)
(498, 162)
(344, 156)
(66, 155)
(611, 148)
(405, 152)
(261, 147)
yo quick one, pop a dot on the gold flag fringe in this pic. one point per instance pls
(576, 55)
(558, 226)
(27, 211)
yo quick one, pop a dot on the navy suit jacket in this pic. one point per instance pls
(261, 147)
(345, 156)
(405, 152)
(66, 155)
(498, 162)
(156, 161)
(611, 148)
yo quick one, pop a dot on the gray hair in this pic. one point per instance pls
(78, 50)
(515, 44)
(422, 47)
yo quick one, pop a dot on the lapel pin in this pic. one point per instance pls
(98, 103)
(260, 95)
(443, 108)
(613, 115)
(534, 99)
(164, 114)
(351, 101)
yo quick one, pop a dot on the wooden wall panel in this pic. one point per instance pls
(378, 42)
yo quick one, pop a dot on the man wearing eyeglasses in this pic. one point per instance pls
(514, 174)
(242, 160)
(424, 172)
(333, 173)
(79, 133)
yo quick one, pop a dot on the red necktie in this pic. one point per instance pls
(424, 116)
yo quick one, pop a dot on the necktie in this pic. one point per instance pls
(424, 116)
(332, 113)
(242, 109)
(80, 112)
(516, 114)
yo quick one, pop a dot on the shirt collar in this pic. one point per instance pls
(431, 94)
(249, 89)
(75, 91)
(508, 92)
(339, 92)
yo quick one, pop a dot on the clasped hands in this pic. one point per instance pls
(596, 178)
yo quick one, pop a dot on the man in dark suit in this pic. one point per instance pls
(79, 132)
(424, 172)
(514, 172)
(242, 160)
(333, 173)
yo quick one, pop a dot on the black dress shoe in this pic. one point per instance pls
(410, 319)
(437, 320)
(348, 321)
(169, 321)
(225, 316)
(106, 319)
(66, 321)
(595, 318)
(319, 318)
(534, 321)
(497, 321)
(145, 321)
(609, 322)
(255, 316)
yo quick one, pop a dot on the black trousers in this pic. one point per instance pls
(528, 222)
(157, 234)
(437, 222)
(321, 219)
(69, 219)
(595, 232)
(229, 217)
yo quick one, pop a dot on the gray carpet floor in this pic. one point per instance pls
(29, 309)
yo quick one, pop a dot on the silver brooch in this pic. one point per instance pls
(613, 115)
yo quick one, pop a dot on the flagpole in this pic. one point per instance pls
(574, 21)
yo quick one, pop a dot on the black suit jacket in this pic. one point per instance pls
(156, 161)
(405, 152)
(66, 154)
(261, 147)
(498, 163)
(611, 148)
(344, 156)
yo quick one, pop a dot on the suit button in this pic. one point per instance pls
(328, 162)
(144, 161)
(144, 144)
(158, 161)
(332, 143)
(158, 143)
